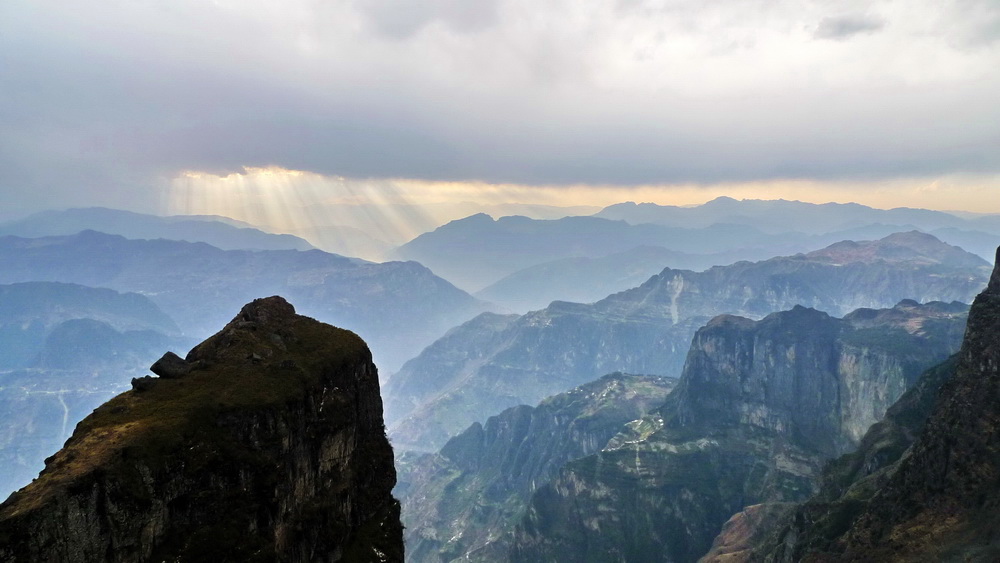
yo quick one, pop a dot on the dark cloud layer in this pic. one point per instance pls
(101, 102)
(844, 27)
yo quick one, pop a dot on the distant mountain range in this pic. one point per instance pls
(777, 216)
(220, 232)
(493, 362)
(520, 263)
(399, 306)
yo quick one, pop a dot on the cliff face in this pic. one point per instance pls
(462, 502)
(265, 443)
(759, 408)
(940, 501)
(815, 529)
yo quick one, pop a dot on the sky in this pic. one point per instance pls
(165, 106)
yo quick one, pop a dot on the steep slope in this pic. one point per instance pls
(648, 329)
(938, 502)
(758, 410)
(493, 363)
(265, 443)
(848, 483)
(399, 307)
(462, 502)
(218, 232)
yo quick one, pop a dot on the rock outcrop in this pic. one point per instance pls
(760, 407)
(269, 447)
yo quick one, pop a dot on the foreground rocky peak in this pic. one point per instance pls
(265, 443)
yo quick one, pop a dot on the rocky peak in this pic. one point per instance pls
(266, 442)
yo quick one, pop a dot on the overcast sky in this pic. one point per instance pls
(108, 102)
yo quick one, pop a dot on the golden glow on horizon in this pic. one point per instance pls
(396, 210)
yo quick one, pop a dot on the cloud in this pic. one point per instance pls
(107, 101)
(401, 19)
(841, 28)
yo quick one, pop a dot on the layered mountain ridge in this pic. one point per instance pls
(399, 306)
(490, 364)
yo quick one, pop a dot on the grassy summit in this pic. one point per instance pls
(263, 359)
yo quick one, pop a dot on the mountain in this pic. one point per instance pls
(30, 311)
(477, 251)
(396, 223)
(399, 306)
(779, 215)
(220, 232)
(462, 502)
(760, 406)
(934, 500)
(64, 350)
(484, 366)
(585, 280)
(265, 443)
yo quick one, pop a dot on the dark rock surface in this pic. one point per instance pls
(271, 448)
